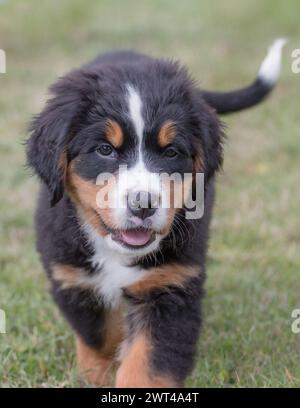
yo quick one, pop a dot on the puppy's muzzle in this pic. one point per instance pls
(142, 204)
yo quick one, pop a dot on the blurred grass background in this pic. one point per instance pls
(253, 269)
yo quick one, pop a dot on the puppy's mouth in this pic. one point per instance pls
(134, 238)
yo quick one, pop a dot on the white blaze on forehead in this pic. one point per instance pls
(135, 111)
(138, 178)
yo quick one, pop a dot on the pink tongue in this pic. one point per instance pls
(135, 237)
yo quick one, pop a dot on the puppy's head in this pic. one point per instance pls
(107, 136)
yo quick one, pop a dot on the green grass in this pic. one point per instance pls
(254, 262)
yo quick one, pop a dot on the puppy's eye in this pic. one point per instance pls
(170, 152)
(105, 149)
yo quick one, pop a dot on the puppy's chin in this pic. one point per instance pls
(123, 248)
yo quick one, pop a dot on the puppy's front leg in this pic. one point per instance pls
(163, 329)
(136, 370)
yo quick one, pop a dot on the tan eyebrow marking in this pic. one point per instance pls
(114, 133)
(167, 133)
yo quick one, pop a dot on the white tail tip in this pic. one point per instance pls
(269, 70)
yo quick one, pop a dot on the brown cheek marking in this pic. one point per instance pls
(162, 277)
(178, 194)
(166, 134)
(135, 369)
(96, 365)
(171, 210)
(84, 194)
(170, 218)
(114, 133)
(82, 190)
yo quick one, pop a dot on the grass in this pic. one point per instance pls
(253, 281)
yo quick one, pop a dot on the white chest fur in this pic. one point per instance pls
(115, 272)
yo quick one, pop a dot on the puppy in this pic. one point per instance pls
(145, 116)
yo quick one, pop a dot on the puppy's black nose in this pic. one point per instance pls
(142, 204)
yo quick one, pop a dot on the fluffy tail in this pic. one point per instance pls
(268, 74)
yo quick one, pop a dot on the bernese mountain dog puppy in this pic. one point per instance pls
(129, 278)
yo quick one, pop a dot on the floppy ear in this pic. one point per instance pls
(209, 141)
(52, 129)
(212, 141)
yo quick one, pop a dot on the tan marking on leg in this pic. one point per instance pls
(135, 369)
(162, 277)
(114, 133)
(96, 366)
(114, 331)
(166, 134)
(93, 366)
